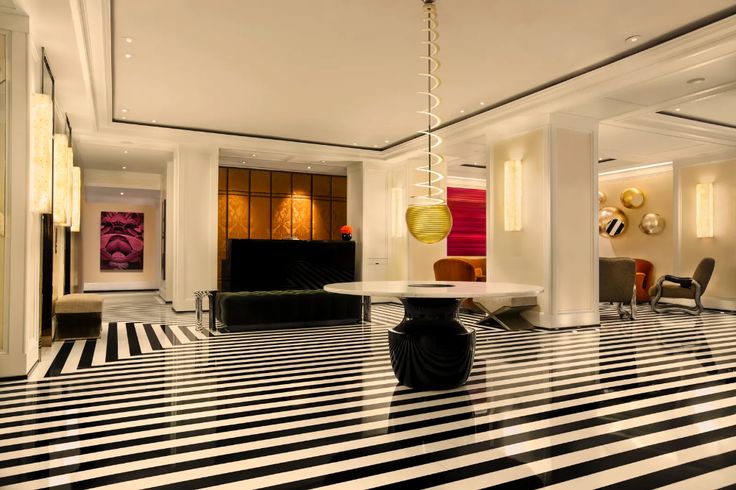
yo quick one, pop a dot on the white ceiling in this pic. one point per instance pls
(113, 157)
(345, 71)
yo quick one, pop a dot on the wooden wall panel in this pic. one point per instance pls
(260, 217)
(237, 216)
(321, 186)
(321, 217)
(260, 182)
(339, 187)
(264, 204)
(302, 218)
(302, 185)
(339, 218)
(280, 218)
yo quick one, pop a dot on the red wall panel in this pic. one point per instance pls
(468, 234)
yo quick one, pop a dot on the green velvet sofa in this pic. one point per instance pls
(254, 310)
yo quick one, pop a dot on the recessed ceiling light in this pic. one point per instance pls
(375, 146)
(482, 103)
(124, 167)
(309, 167)
(323, 161)
(124, 111)
(355, 144)
(153, 120)
(633, 39)
(385, 141)
(122, 193)
(125, 151)
(128, 55)
(677, 109)
(128, 40)
(123, 118)
(462, 111)
(252, 154)
(242, 161)
(696, 80)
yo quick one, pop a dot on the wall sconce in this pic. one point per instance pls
(41, 165)
(70, 185)
(62, 185)
(512, 182)
(704, 210)
(76, 198)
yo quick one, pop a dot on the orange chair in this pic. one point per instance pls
(644, 279)
(451, 269)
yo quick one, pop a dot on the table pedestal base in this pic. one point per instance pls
(430, 349)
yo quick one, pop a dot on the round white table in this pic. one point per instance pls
(430, 348)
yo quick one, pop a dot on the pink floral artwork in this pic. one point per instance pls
(121, 241)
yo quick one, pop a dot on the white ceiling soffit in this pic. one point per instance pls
(128, 196)
(113, 157)
(717, 109)
(344, 72)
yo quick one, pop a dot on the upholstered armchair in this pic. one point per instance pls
(683, 288)
(617, 284)
(452, 269)
(644, 280)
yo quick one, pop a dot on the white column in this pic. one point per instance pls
(19, 322)
(557, 246)
(192, 210)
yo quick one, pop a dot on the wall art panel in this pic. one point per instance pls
(121, 241)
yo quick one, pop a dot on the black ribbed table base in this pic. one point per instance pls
(430, 349)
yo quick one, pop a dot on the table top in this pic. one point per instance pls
(434, 289)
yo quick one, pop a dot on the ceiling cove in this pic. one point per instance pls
(487, 106)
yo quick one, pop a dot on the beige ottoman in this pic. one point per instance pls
(78, 316)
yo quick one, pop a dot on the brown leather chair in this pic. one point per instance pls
(644, 279)
(616, 276)
(683, 287)
(452, 269)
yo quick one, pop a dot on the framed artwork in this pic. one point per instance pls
(121, 241)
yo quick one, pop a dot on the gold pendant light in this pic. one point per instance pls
(428, 218)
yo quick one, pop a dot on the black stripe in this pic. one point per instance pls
(685, 471)
(187, 333)
(133, 345)
(170, 335)
(111, 352)
(152, 339)
(60, 359)
(85, 360)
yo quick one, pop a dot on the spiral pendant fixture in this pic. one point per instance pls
(428, 218)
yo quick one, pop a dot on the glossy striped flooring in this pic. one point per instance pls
(154, 403)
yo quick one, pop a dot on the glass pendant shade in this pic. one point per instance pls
(61, 179)
(429, 223)
(76, 198)
(41, 162)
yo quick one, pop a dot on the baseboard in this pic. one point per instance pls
(121, 286)
(576, 319)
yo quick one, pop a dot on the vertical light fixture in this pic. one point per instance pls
(61, 178)
(512, 195)
(704, 210)
(70, 185)
(41, 166)
(428, 218)
(76, 198)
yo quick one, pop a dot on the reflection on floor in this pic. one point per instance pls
(636, 404)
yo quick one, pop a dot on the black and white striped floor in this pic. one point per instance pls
(154, 403)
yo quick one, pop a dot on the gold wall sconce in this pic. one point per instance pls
(612, 222)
